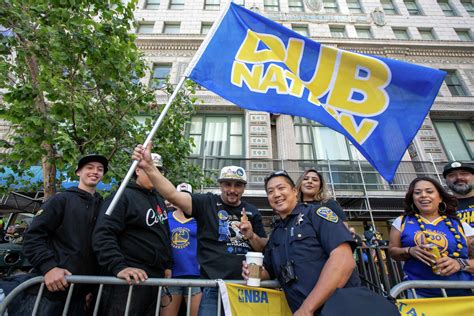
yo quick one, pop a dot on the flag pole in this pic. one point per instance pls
(191, 65)
(152, 133)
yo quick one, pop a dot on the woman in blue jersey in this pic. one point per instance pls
(184, 253)
(430, 221)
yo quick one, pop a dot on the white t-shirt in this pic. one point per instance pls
(468, 230)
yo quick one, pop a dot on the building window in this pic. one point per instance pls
(388, 7)
(401, 33)
(315, 141)
(171, 27)
(205, 27)
(176, 4)
(457, 138)
(354, 6)
(160, 73)
(446, 7)
(330, 6)
(271, 5)
(219, 136)
(145, 28)
(212, 5)
(469, 6)
(454, 83)
(363, 32)
(296, 5)
(427, 34)
(152, 4)
(337, 31)
(300, 29)
(412, 7)
(464, 35)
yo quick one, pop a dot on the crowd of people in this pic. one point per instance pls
(159, 230)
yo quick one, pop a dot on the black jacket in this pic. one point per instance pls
(60, 234)
(135, 235)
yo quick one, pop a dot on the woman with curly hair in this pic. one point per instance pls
(429, 226)
(312, 189)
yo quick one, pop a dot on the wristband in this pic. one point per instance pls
(464, 263)
(408, 251)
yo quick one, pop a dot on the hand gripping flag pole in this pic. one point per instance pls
(157, 124)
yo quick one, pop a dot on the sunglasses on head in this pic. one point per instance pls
(279, 173)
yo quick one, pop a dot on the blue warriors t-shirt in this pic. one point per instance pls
(184, 246)
(466, 210)
(441, 236)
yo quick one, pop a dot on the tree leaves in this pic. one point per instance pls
(69, 71)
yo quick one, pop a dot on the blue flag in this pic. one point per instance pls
(377, 103)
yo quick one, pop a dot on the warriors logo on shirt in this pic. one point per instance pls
(435, 237)
(467, 215)
(180, 237)
(229, 232)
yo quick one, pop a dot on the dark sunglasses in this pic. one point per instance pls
(165, 292)
(279, 173)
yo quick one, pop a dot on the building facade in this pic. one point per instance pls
(433, 33)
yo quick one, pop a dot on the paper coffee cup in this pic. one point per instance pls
(255, 262)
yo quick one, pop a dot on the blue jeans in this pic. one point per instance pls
(208, 306)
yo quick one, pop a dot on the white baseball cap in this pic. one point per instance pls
(184, 187)
(233, 173)
(157, 161)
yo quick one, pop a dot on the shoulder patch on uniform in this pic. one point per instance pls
(39, 212)
(327, 214)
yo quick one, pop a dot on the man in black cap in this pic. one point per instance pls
(459, 178)
(58, 241)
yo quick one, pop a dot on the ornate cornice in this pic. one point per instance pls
(187, 45)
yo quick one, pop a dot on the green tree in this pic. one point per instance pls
(69, 71)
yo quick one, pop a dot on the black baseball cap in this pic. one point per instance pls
(93, 158)
(454, 165)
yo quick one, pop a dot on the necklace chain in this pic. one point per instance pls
(448, 223)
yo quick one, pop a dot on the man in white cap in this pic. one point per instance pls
(459, 178)
(227, 226)
(133, 243)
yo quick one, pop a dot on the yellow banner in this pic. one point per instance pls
(439, 306)
(246, 300)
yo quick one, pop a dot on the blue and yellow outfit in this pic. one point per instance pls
(184, 247)
(440, 235)
(304, 240)
(184, 252)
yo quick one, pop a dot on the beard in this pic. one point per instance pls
(460, 188)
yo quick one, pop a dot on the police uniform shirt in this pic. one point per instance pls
(333, 205)
(306, 238)
(466, 210)
(221, 246)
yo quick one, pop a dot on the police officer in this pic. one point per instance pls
(309, 250)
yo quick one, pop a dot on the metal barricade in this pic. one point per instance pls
(377, 270)
(443, 285)
(103, 280)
